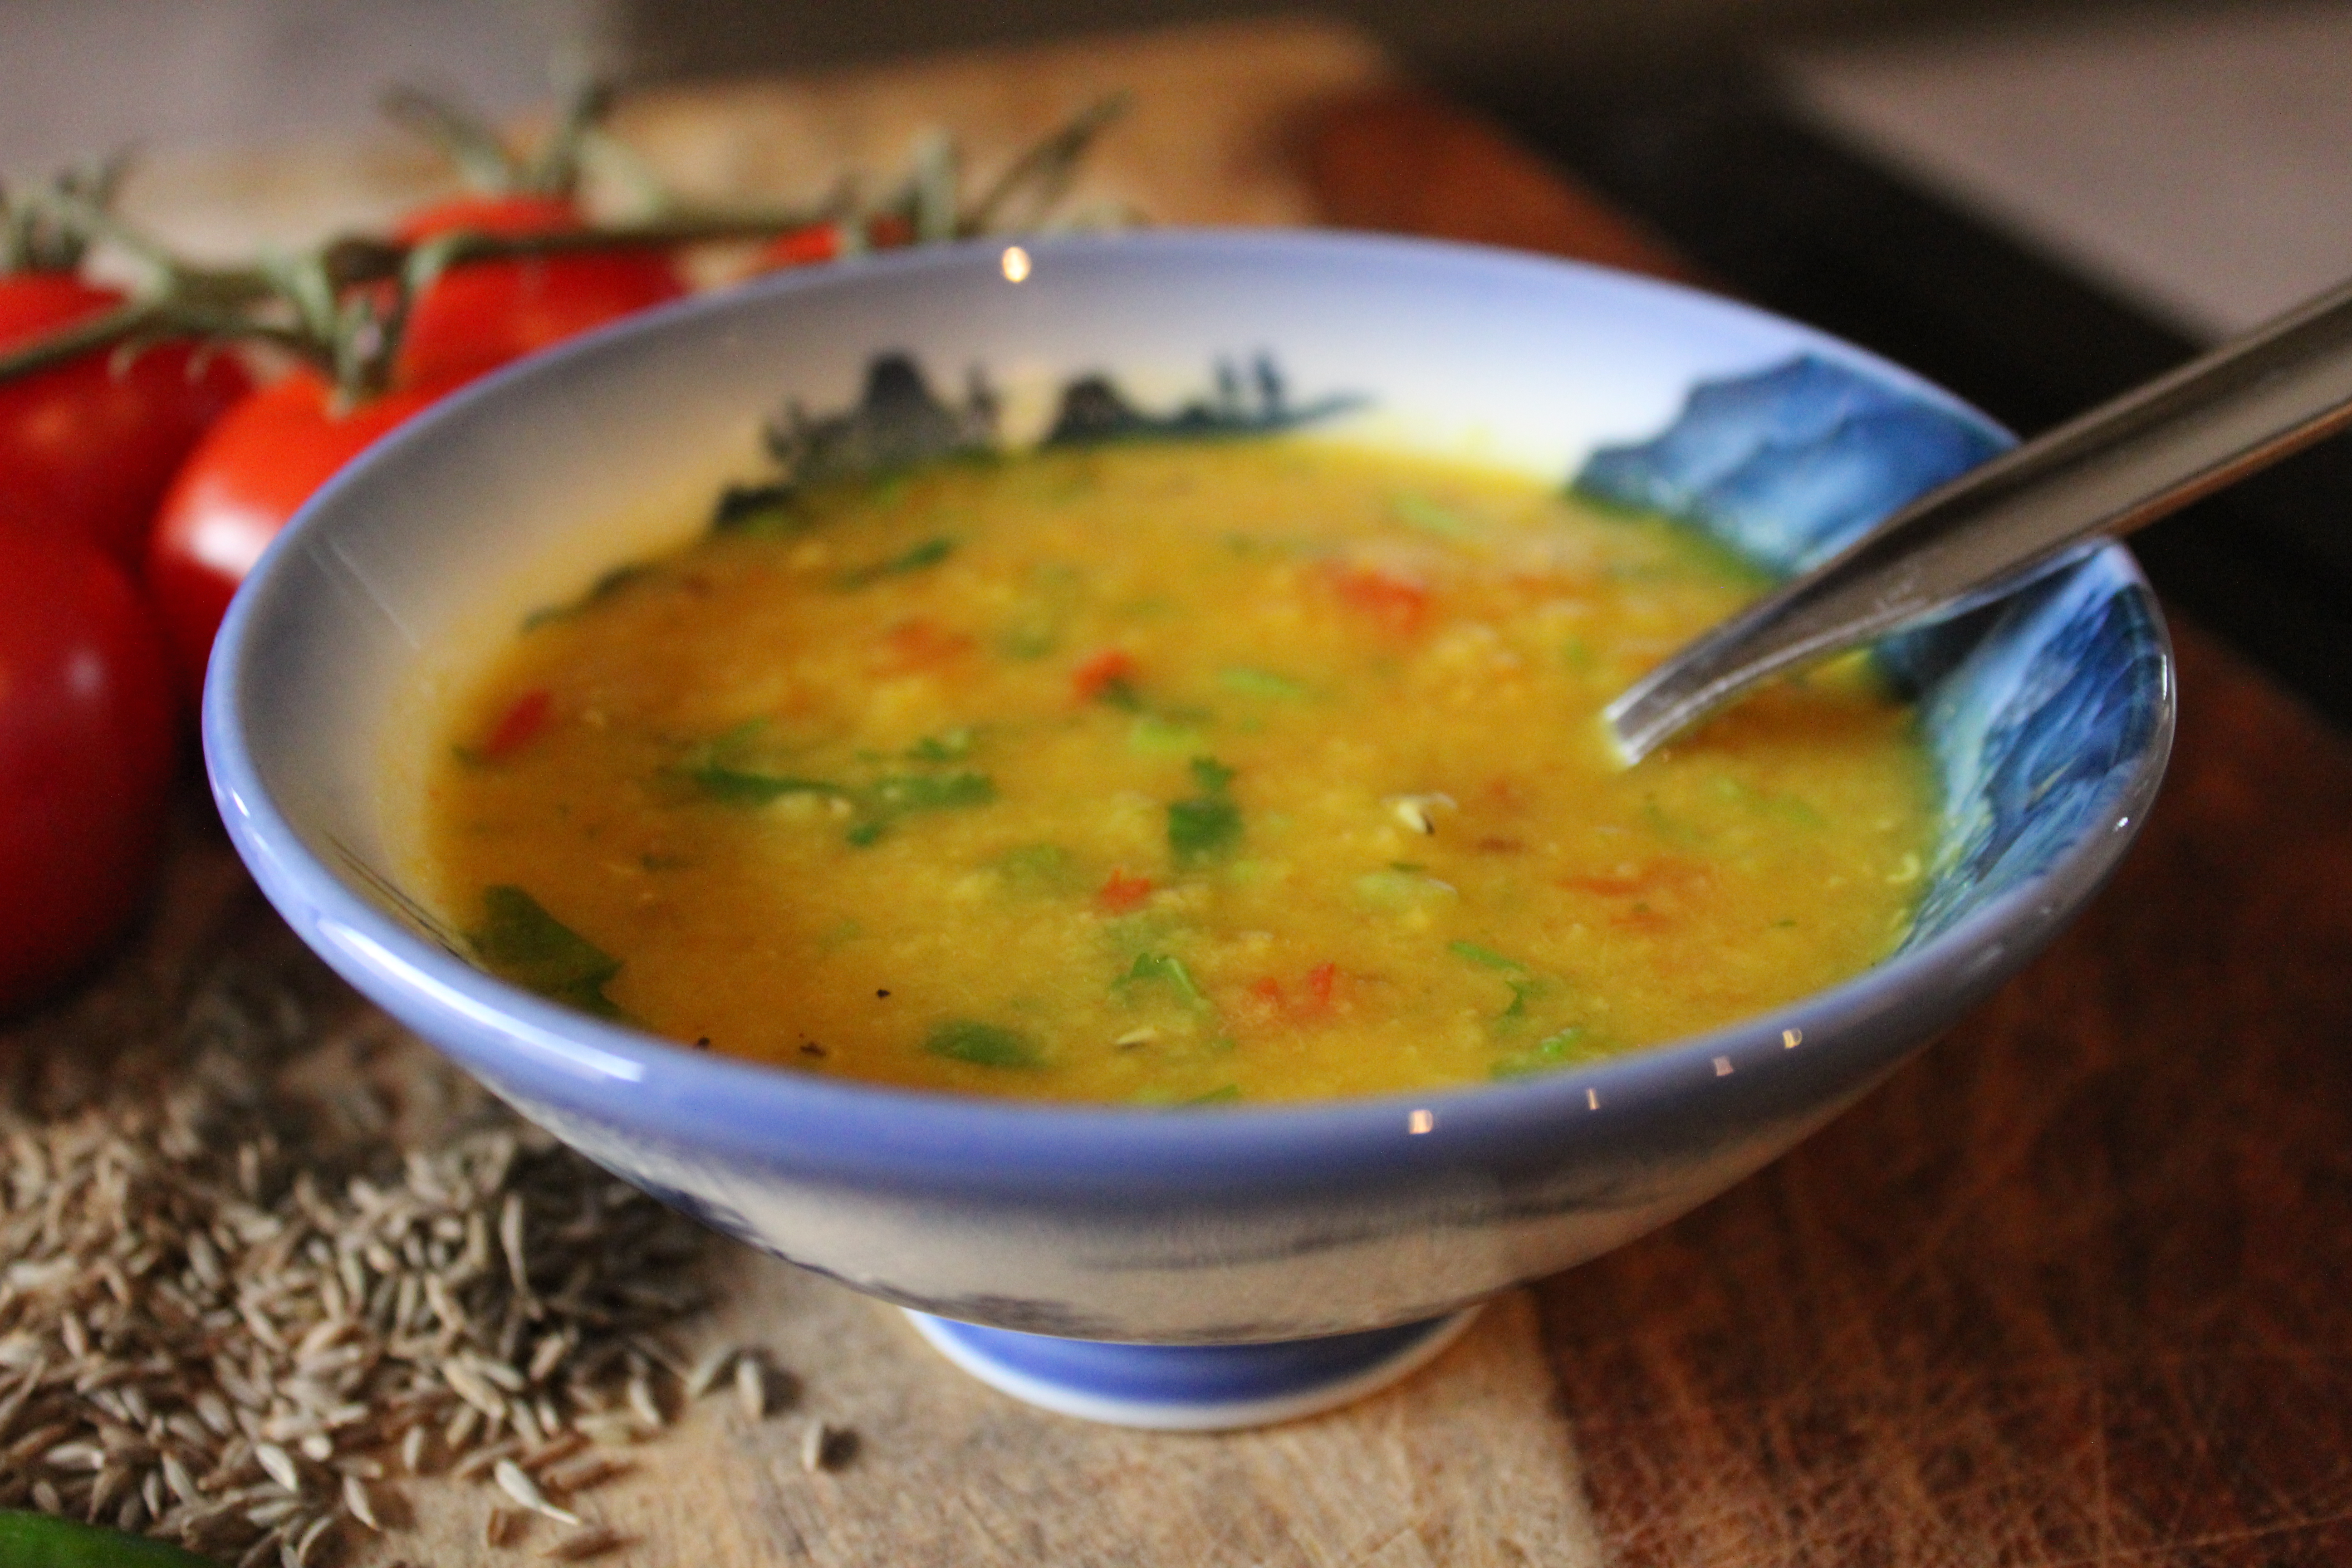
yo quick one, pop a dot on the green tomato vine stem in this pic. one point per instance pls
(343, 306)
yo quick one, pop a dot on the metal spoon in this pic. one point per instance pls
(2126, 463)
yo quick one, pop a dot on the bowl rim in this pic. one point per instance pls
(708, 1104)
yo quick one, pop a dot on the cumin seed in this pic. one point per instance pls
(752, 1387)
(712, 1365)
(594, 1542)
(503, 1526)
(512, 1480)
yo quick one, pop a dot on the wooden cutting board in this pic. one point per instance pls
(1470, 1461)
(2069, 1289)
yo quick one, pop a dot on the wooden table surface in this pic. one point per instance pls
(2075, 1287)
(2072, 1288)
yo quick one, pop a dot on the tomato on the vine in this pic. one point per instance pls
(822, 242)
(479, 315)
(87, 446)
(88, 742)
(250, 474)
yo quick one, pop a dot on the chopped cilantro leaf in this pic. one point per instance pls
(947, 746)
(602, 589)
(902, 793)
(983, 1045)
(1027, 641)
(727, 768)
(1553, 1050)
(1169, 970)
(1152, 735)
(1200, 828)
(1672, 830)
(1037, 868)
(929, 552)
(1259, 683)
(1210, 822)
(1484, 955)
(1119, 692)
(759, 510)
(519, 940)
(1418, 511)
(739, 786)
(1403, 891)
(883, 802)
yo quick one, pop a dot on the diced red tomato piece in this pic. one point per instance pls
(1124, 894)
(1313, 999)
(917, 645)
(1395, 603)
(1663, 873)
(1607, 886)
(520, 724)
(1261, 1003)
(1099, 674)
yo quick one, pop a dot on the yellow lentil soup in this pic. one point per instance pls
(1164, 772)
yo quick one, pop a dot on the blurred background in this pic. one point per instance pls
(2036, 203)
(2191, 156)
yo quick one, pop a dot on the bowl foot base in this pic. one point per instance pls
(1191, 1388)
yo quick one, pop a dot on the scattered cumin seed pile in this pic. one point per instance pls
(241, 1293)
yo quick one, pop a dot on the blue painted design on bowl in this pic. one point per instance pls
(1205, 1375)
(897, 422)
(1094, 409)
(1786, 465)
(1192, 1387)
(2050, 717)
(2034, 729)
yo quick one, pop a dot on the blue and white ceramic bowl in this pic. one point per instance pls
(1102, 1238)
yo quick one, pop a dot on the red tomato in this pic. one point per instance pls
(88, 740)
(239, 486)
(479, 316)
(1106, 676)
(1123, 894)
(914, 645)
(520, 724)
(1271, 1004)
(822, 242)
(800, 247)
(1392, 601)
(91, 445)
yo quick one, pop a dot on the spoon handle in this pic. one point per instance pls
(2126, 463)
